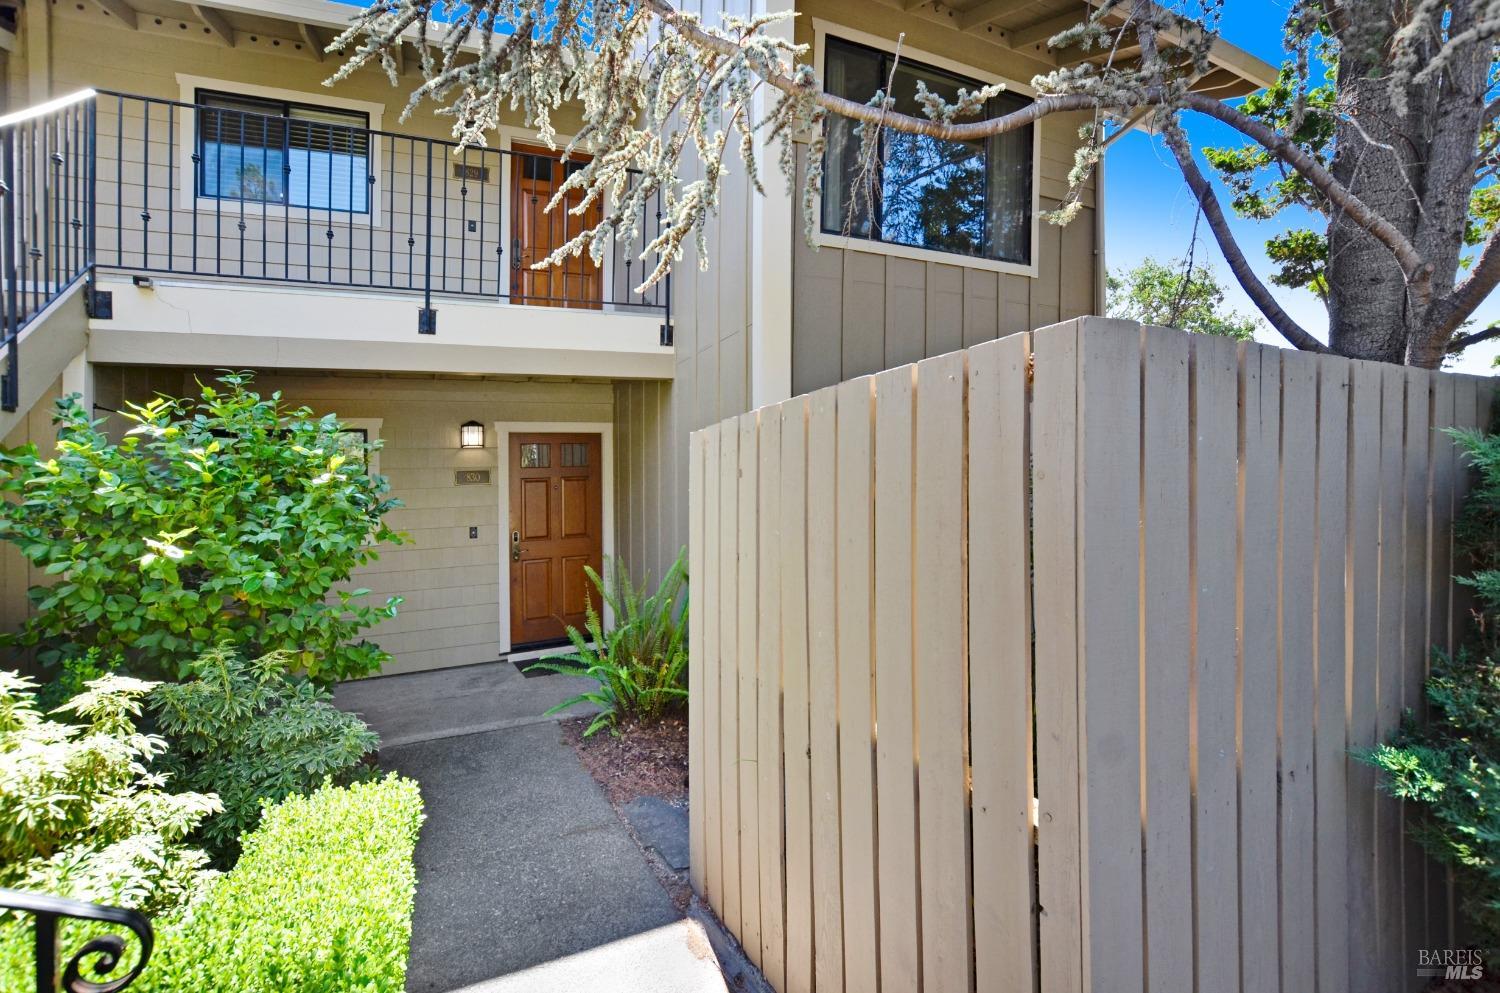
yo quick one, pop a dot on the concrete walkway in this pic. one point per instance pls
(526, 879)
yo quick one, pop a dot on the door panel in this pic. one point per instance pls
(575, 508)
(557, 514)
(536, 516)
(536, 589)
(575, 584)
(536, 232)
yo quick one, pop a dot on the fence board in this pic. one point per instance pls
(1259, 437)
(895, 696)
(1362, 613)
(798, 765)
(768, 705)
(1330, 746)
(1000, 712)
(696, 654)
(823, 690)
(749, 779)
(1158, 586)
(854, 527)
(1389, 892)
(1215, 398)
(1296, 799)
(938, 628)
(729, 679)
(706, 590)
(1055, 611)
(1109, 657)
(1416, 498)
(1166, 684)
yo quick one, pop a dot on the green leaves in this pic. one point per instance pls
(250, 733)
(639, 667)
(225, 518)
(1165, 295)
(83, 809)
(1448, 766)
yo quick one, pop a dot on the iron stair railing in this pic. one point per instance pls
(46, 217)
(101, 955)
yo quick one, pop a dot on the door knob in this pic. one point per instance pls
(515, 546)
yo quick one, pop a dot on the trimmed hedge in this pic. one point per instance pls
(319, 902)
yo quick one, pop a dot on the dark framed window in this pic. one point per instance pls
(968, 198)
(275, 151)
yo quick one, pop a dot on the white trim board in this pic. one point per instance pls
(821, 30)
(503, 430)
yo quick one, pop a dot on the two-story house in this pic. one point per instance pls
(197, 199)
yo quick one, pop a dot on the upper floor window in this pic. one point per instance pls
(969, 198)
(273, 151)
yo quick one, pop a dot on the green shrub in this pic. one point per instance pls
(225, 518)
(1448, 767)
(250, 733)
(320, 902)
(639, 667)
(82, 814)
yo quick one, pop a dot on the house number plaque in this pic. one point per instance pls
(469, 477)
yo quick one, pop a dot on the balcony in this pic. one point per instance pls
(365, 237)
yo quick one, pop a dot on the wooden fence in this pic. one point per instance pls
(947, 738)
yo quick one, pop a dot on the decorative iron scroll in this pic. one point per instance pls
(100, 956)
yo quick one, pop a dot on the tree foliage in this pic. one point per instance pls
(1448, 766)
(1176, 296)
(1389, 150)
(251, 734)
(226, 518)
(84, 809)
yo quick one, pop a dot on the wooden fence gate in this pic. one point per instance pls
(1038, 666)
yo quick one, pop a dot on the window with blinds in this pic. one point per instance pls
(273, 151)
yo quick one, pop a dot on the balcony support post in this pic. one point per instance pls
(427, 318)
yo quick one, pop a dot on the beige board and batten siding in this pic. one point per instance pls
(857, 312)
(1165, 586)
(450, 581)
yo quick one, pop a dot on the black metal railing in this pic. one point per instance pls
(102, 955)
(46, 218)
(210, 190)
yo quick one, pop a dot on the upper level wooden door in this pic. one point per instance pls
(556, 528)
(536, 231)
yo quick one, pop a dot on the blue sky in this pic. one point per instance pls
(1149, 211)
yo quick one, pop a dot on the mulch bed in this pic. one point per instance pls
(639, 760)
(636, 760)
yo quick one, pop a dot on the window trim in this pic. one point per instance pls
(822, 30)
(188, 198)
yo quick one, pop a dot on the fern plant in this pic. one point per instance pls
(639, 666)
(252, 734)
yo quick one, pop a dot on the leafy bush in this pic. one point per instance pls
(250, 733)
(1448, 768)
(81, 813)
(320, 902)
(226, 518)
(639, 667)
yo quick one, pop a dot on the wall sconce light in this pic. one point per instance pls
(471, 435)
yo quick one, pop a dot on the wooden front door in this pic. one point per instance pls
(556, 528)
(536, 174)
